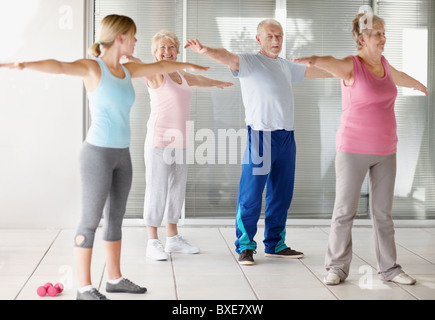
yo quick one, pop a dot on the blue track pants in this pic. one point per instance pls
(269, 160)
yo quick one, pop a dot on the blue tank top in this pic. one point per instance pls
(110, 106)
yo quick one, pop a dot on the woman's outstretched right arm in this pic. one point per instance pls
(85, 68)
(78, 68)
(339, 68)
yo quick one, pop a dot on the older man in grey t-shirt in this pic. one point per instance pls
(266, 84)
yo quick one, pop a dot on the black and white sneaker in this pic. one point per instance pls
(286, 253)
(246, 257)
(92, 294)
(124, 286)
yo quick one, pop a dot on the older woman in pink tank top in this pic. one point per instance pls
(366, 142)
(165, 147)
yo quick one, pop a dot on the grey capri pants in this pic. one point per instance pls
(106, 176)
(165, 185)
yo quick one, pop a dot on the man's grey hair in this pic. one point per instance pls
(267, 22)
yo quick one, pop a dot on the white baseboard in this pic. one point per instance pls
(202, 222)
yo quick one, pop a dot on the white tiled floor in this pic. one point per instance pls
(30, 258)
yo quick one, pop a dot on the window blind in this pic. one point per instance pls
(212, 188)
(150, 17)
(409, 48)
(319, 28)
(312, 27)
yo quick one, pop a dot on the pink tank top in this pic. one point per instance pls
(368, 121)
(170, 112)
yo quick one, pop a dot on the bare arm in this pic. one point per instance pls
(338, 68)
(316, 73)
(201, 81)
(84, 68)
(401, 79)
(154, 80)
(147, 70)
(77, 68)
(220, 55)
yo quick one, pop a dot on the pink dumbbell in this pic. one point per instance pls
(50, 289)
(53, 291)
(42, 291)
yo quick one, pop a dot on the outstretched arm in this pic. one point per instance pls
(201, 81)
(84, 68)
(316, 73)
(147, 70)
(338, 68)
(401, 79)
(220, 55)
(77, 68)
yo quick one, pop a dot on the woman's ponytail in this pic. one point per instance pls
(95, 50)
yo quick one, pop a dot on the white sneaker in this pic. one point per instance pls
(331, 279)
(177, 244)
(403, 278)
(155, 250)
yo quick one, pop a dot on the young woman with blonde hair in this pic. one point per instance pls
(105, 164)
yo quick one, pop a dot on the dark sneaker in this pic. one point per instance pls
(246, 257)
(286, 253)
(92, 294)
(125, 286)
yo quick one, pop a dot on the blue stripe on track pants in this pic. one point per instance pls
(269, 160)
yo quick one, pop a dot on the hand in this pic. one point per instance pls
(14, 65)
(223, 84)
(423, 89)
(196, 46)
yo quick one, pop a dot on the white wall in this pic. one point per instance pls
(41, 116)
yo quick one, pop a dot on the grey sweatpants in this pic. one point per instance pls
(165, 186)
(106, 176)
(351, 170)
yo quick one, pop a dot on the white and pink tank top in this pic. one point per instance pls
(170, 113)
(368, 121)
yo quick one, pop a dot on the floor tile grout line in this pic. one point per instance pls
(408, 292)
(427, 231)
(321, 229)
(39, 263)
(414, 253)
(398, 285)
(174, 277)
(375, 268)
(47, 251)
(320, 280)
(240, 267)
(357, 255)
(100, 284)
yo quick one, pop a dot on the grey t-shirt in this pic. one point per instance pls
(267, 94)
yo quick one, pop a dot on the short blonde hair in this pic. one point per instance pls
(110, 27)
(363, 23)
(164, 34)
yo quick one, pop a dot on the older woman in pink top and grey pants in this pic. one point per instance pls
(366, 141)
(165, 147)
